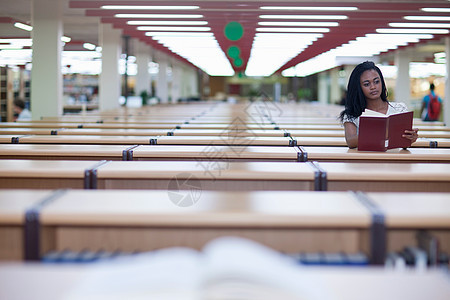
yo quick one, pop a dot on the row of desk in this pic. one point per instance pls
(218, 152)
(227, 140)
(226, 175)
(137, 180)
(33, 223)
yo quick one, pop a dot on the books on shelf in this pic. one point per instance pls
(379, 132)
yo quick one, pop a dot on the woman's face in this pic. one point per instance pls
(371, 84)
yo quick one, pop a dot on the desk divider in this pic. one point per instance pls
(32, 227)
(90, 175)
(320, 176)
(129, 152)
(303, 155)
(377, 229)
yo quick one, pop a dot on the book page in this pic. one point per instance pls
(236, 266)
(372, 113)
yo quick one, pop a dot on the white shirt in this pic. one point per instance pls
(393, 108)
(25, 115)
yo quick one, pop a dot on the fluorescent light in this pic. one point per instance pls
(65, 39)
(430, 31)
(202, 51)
(21, 42)
(439, 55)
(191, 34)
(270, 51)
(433, 9)
(326, 24)
(158, 16)
(149, 7)
(23, 26)
(427, 18)
(167, 28)
(305, 17)
(167, 23)
(368, 46)
(421, 25)
(338, 8)
(271, 29)
(89, 46)
(2, 47)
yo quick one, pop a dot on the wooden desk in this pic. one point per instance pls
(22, 131)
(44, 174)
(114, 132)
(230, 153)
(88, 139)
(37, 124)
(434, 134)
(298, 134)
(207, 175)
(13, 205)
(230, 126)
(386, 177)
(64, 152)
(147, 220)
(340, 141)
(227, 133)
(225, 140)
(8, 138)
(407, 213)
(56, 282)
(343, 154)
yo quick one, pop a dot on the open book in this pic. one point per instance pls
(379, 132)
(227, 268)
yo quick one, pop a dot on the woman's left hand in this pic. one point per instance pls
(411, 134)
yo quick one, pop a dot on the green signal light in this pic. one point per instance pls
(238, 62)
(234, 31)
(234, 51)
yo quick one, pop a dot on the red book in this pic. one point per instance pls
(378, 132)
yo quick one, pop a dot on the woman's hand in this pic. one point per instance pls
(411, 134)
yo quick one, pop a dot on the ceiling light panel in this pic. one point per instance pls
(150, 7)
(202, 51)
(305, 17)
(177, 23)
(318, 8)
(272, 50)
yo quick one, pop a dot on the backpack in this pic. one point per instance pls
(434, 108)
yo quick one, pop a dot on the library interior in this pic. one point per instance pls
(225, 149)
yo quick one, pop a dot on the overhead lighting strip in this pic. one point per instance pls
(305, 17)
(320, 8)
(367, 46)
(300, 24)
(158, 16)
(177, 23)
(150, 7)
(272, 50)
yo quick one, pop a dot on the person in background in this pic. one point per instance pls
(21, 113)
(366, 89)
(431, 106)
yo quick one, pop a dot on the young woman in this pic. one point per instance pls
(366, 89)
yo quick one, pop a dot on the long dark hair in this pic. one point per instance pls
(355, 101)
